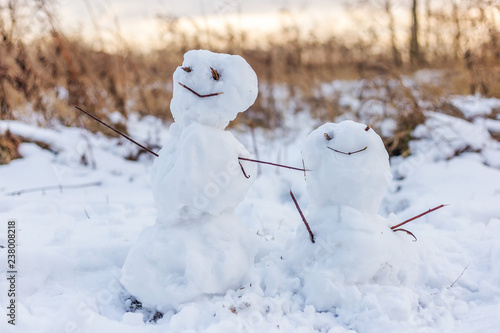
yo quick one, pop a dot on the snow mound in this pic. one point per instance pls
(474, 105)
(172, 264)
(352, 249)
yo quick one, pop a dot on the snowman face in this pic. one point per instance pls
(212, 88)
(350, 139)
(349, 164)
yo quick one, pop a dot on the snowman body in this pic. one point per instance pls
(197, 246)
(198, 172)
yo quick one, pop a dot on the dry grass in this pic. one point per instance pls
(9, 145)
(46, 78)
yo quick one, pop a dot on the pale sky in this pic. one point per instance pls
(127, 9)
(139, 24)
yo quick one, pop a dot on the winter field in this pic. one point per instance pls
(72, 242)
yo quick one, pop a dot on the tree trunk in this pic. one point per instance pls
(416, 57)
(396, 54)
(457, 40)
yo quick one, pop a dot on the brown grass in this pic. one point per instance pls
(50, 75)
(9, 145)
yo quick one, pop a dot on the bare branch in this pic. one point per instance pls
(459, 276)
(311, 235)
(416, 217)
(116, 131)
(58, 187)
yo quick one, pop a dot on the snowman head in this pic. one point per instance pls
(212, 88)
(350, 166)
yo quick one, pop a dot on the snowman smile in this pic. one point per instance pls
(348, 153)
(199, 95)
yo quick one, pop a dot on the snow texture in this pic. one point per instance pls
(74, 242)
(172, 264)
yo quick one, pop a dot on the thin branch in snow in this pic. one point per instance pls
(416, 217)
(274, 164)
(116, 131)
(407, 231)
(459, 276)
(311, 235)
(58, 187)
(304, 167)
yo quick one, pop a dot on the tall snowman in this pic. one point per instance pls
(197, 246)
(354, 246)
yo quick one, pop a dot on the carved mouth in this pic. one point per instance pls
(347, 153)
(199, 95)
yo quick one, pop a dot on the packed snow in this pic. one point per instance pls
(358, 276)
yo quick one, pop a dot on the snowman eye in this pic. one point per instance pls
(215, 75)
(328, 137)
(187, 69)
(367, 128)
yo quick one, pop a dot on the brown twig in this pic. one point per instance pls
(459, 276)
(194, 92)
(407, 231)
(155, 154)
(243, 170)
(275, 164)
(116, 131)
(304, 167)
(311, 235)
(416, 217)
(58, 187)
(348, 153)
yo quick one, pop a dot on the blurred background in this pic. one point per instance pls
(119, 56)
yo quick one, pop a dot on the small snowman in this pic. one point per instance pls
(197, 246)
(198, 171)
(353, 244)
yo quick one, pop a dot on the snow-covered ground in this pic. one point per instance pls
(73, 241)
